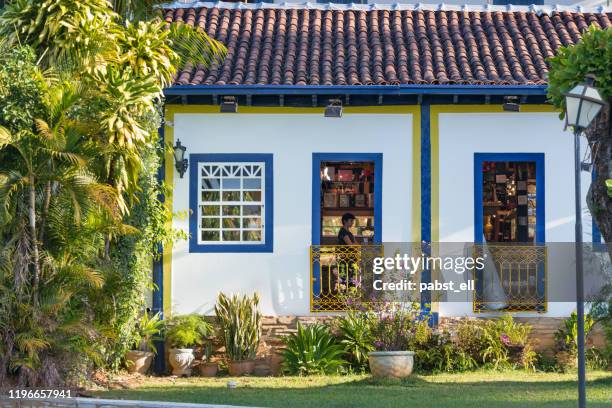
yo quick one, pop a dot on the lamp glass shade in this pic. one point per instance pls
(583, 103)
(179, 152)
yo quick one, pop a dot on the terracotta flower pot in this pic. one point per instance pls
(276, 363)
(139, 361)
(391, 364)
(181, 360)
(209, 369)
(238, 368)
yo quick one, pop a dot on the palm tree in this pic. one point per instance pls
(51, 238)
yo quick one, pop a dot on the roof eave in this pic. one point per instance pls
(422, 89)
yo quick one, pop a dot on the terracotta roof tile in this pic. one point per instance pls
(380, 46)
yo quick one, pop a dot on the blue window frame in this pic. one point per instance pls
(538, 158)
(539, 238)
(317, 158)
(231, 201)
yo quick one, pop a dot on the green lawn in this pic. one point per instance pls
(510, 389)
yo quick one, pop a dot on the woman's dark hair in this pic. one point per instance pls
(347, 216)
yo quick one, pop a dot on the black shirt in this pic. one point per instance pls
(345, 233)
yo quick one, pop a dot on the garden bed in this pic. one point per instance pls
(497, 389)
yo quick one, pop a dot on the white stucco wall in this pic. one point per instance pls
(282, 277)
(463, 134)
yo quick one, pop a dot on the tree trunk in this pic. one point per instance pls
(35, 254)
(45, 212)
(599, 135)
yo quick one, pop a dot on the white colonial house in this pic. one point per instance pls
(444, 136)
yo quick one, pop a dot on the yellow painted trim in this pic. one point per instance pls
(169, 179)
(416, 175)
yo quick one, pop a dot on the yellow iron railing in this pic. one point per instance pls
(514, 279)
(338, 272)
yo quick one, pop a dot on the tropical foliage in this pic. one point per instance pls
(567, 335)
(435, 351)
(80, 96)
(568, 68)
(148, 332)
(355, 335)
(240, 325)
(186, 331)
(312, 350)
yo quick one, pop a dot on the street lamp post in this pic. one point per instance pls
(582, 104)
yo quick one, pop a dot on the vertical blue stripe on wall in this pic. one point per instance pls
(158, 294)
(426, 201)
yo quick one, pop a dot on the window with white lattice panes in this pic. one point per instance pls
(231, 203)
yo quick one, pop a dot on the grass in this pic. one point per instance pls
(511, 389)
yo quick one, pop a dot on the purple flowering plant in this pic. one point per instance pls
(391, 323)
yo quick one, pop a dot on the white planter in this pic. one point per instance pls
(181, 361)
(391, 364)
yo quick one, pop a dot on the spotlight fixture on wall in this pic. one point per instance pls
(511, 104)
(333, 109)
(229, 105)
(180, 162)
(586, 166)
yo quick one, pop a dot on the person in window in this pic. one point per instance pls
(347, 271)
(345, 236)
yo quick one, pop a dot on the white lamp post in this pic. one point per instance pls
(582, 104)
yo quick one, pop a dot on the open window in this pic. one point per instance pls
(509, 230)
(344, 183)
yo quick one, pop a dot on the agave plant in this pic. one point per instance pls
(240, 323)
(312, 350)
(356, 336)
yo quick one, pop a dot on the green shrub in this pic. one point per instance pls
(186, 331)
(497, 343)
(240, 323)
(355, 335)
(567, 335)
(470, 338)
(147, 332)
(312, 350)
(597, 359)
(435, 351)
(567, 343)
(515, 348)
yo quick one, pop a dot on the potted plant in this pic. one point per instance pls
(139, 359)
(240, 329)
(182, 334)
(207, 367)
(392, 324)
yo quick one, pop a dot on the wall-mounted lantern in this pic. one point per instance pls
(180, 162)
